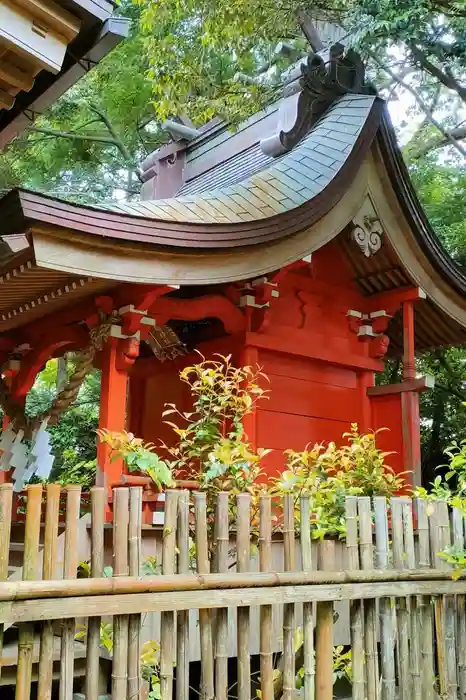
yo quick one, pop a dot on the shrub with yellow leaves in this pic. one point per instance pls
(330, 473)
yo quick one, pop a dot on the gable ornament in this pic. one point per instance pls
(368, 235)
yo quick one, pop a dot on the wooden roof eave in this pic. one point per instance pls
(81, 254)
(401, 183)
(427, 266)
(23, 206)
(126, 261)
(82, 247)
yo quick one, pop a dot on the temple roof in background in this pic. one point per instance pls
(47, 45)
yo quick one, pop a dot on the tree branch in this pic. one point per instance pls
(425, 107)
(459, 133)
(116, 138)
(387, 85)
(310, 31)
(446, 78)
(74, 136)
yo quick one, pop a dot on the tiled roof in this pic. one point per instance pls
(251, 186)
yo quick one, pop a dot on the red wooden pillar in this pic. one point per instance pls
(5, 477)
(112, 415)
(410, 400)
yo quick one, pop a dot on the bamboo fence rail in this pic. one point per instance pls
(407, 613)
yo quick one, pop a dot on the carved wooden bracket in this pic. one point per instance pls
(257, 296)
(370, 327)
(209, 306)
(127, 353)
(380, 308)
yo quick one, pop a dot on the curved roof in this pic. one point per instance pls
(268, 203)
(246, 215)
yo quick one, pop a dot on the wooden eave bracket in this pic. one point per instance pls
(379, 309)
(412, 385)
(391, 301)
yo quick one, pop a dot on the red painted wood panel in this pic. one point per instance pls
(299, 397)
(275, 363)
(281, 431)
(386, 413)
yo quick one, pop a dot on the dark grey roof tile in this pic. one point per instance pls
(289, 192)
(322, 158)
(345, 128)
(330, 152)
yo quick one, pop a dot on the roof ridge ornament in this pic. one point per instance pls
(321, 83)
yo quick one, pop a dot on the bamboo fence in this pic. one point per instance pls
(407, 613)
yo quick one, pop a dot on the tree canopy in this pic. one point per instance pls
(200, 53)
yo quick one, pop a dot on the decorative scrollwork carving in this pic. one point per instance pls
(369, 236)
(323, 83)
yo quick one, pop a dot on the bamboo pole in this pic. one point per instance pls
(182, 620)
(243, 502)
(45, 675)
(14, 592)
(387, 637)
(6, 503)
(415, 624)
(425, 608)
(435, 549)
(289, 683)
(134, 626)
(30, 572)
(458, 541)
(266, 629)
(356, 607)
(324, 630)
(401, 606)
(449, 611)
(370, 612)
(120, 568)
(167, 622)
(436, 546)
(308, 612)
(205, 621)
(221, 642)
(206, 595)
(98, 503)
(70, 567)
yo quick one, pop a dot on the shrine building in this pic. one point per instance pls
(296, 242)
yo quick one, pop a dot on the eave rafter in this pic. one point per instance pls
(34, 36)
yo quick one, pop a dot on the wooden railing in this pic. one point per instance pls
(407, 614)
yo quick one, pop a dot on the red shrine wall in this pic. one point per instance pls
(318, 368)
